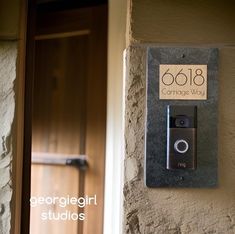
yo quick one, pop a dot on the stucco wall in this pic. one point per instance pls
(163, 211)
(8, 52)
(9, 35)
(182, 21)
(9, 18)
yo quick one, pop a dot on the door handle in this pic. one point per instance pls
(78, 161)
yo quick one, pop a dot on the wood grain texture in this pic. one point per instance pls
(28, 98)
(17, 169)
(58, 98)
(60, 75)
(54, 22)
(96, 120)
(70, 112)
(53, 181)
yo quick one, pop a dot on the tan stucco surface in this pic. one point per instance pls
(8, 52)
(182, 21)
(9, 34)
(185, 211)
(173, 211)
(9, 18)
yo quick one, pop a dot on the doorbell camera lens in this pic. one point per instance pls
(182, 122)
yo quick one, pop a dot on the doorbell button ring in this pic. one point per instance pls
(181, 146)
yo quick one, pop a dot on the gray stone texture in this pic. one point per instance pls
(177, 210)
(8, 53)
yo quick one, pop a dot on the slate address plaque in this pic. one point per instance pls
(181, 76)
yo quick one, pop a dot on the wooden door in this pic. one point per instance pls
(69, 114)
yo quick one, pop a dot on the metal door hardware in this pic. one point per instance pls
(79, 161)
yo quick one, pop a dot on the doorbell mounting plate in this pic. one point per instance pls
(181, 117)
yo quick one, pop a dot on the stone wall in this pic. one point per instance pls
(9, 70)
(8, 54)
(166, 210)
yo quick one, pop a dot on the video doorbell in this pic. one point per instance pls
(181, 137)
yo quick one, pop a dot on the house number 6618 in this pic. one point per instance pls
(183, 77)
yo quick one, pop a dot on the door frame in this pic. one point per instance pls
(115, 116)
(115, 144)
(17, 162)
(28, 95)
